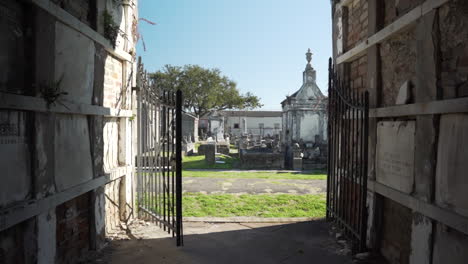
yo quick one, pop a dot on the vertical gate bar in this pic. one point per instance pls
(351, 163)
(347, 157)
(328, 135)
(160, 107)
(340, 169)
(338, 148)
(355, 159)
(139, 132)
(145, 147)
(150, 153)
(180, 241)
(173, 163)
(160, 149)
(168, 198)
(364, 186)
(335, 149)
(171, 152)
(361, 170)
(163, 161)
(147, 151)
(344, 171)
(155, 151)
(168, 172)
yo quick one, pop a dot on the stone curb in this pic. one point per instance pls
(250, 219)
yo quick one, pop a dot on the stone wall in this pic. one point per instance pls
(453, 23)
(396, 232)
(416, 159)
(398, 56)
(358, 74)
(55, 200)
(394, 9)
(73, 229)
(261, 161)
(356, 23)
(81, 9)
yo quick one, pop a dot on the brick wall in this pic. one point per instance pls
(357, 73)
(356, 23)
(73, 229)
(12, 244)
(113, 204)
(113, 79)
(396, 232)
(453, 25)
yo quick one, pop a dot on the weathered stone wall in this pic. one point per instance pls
(81, 9)
(398, 56)
(190, 128)
(73, 229)
(114, 202)
(358, 74)
(55, 156)
(258, 161)
(416, 159)
(114, 96)
(357, 23)
(453, 23)
(17, 243)
(394, 9)
(396, 232)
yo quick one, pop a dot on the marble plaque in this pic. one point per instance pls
(395, 154)
(15, 161)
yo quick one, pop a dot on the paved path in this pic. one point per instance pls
(253, 186)
(236, 243)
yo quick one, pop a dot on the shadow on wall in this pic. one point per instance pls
(233, 243)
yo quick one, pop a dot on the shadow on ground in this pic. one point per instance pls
(306, 242)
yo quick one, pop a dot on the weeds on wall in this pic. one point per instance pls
(111, 29)
(52, 92)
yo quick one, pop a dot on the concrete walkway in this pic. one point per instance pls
(253, 186)
(236, 243)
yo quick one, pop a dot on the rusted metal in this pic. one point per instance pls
(159, 158)
(348, 126)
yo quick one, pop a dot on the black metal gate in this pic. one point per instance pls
(348, 126)
(159, 158)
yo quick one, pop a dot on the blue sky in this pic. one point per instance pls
(260, 44)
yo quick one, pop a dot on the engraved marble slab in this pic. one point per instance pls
(395, 154)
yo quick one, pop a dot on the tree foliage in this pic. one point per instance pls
(204, 89)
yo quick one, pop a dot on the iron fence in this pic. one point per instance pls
(348, 126)
(159, 158)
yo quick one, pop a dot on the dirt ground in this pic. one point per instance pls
(219, 243)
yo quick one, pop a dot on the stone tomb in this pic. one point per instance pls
(395, 154)
(210, 154)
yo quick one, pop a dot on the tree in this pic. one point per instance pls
(204, 89)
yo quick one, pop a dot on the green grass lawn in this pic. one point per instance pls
(263, 205)
(198, 162)
(256, 175)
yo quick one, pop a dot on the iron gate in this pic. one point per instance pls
(159, 158)
(348, 123)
